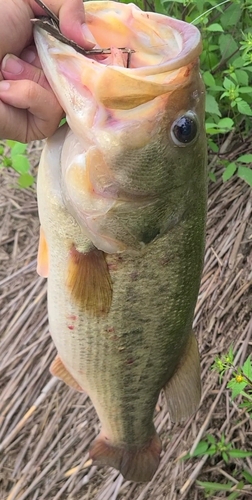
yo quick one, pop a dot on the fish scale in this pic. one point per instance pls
(122, 206)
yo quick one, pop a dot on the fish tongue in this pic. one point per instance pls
(135, 463)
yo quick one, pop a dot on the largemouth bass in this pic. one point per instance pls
(122, 205)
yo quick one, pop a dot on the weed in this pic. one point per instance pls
(16, 158)
(240, 383)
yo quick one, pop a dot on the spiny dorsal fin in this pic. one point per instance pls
(183, 390)
(43, 257)
(89, 281)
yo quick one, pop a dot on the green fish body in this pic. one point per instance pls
(122, 204)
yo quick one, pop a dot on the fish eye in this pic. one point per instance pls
(185, 129)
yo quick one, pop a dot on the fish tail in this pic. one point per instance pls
(135, 463)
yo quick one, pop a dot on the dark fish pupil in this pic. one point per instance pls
(185, 129)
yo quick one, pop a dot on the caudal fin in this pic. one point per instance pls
(135, 464)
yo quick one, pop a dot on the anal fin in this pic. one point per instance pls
(183, 390)
(59, 370)
(43, 258)
(89, 281)
(136, 463)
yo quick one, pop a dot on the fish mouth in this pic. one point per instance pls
(167, 42)
(160, 52)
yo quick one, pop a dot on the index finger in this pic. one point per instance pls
(71, 16)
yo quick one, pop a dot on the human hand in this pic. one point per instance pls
(28, 108)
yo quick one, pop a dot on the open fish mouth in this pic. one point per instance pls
(143, 39)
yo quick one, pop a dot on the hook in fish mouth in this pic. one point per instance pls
(51, 25)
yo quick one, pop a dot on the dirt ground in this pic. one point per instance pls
(46, 427)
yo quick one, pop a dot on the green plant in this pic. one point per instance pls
(16, 157)
(240, 384)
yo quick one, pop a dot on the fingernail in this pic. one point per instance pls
(4, 85)
(88, 35)
(29, 55)
(11, 64)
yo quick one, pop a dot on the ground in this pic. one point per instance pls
(46, 427)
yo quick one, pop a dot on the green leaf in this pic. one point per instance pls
(215, 149)
(212, 450)
(234, 495)
(227, 45)
(245, 173)
(231, 16)
(7, 161)
(239, 453)
(215, 27)
(229, 171)
(215, 486)
(201, 449)
(244, 108)
(216, 88)
(10, 143)
(208, 78)
(18, 149)
(228, 84)
(21, 164)
(211, 128)
(211, 439)
(227, 123)
(238, 62)
(236, 387)
(248, 68)
(242, 77)
(245, 158)
(247, 476)
(211, 175)
(25, 180)
(62, 122)
(247, 367)
(212, 105)
(245, 90)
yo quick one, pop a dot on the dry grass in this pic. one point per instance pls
(46, 428)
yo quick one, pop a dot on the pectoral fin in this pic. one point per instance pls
(59, 370)
(89, 281)
(42, 259)
(183, 390)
